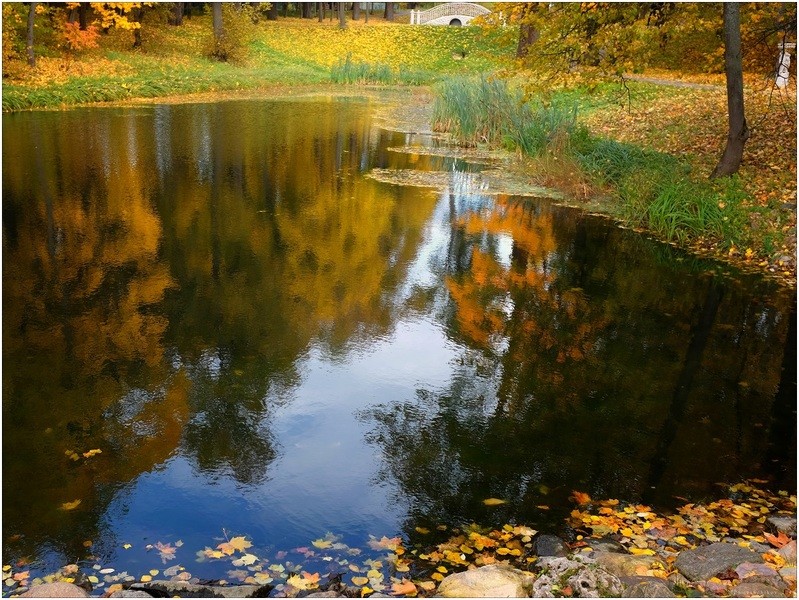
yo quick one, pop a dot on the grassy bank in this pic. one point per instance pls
(647, 180)
(174, 61)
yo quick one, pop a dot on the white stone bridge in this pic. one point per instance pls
(448, 13)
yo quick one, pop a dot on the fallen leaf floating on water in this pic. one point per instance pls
(70, 505)
(91, 453)
(246, 559)
(166, 551)
(239, 544)
(306, 581)
(581, 497)
(494, 501)
(403, 588)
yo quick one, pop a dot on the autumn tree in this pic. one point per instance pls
(389, 12)
(566, 43)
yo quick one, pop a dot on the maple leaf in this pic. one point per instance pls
(403, 588)
(246, 559)
(234, 544)
(778, 541)
(301, 582)
(581, 497)
(166, 551)
(384, 543)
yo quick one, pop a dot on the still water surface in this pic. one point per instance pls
(262, 341)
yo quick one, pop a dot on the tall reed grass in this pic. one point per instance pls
(651, 189)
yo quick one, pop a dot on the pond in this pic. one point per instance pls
(260, 340)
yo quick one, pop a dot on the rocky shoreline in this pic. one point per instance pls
(601, 567)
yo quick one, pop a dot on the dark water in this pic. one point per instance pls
(263, 342)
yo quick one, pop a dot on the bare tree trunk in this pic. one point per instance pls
(219, 30)
(738, 130)
(342, 20)
(177, 18)
(83, 15)
(320, 11)
(389, 14)
(356, 11)
(366, 13)
(31, 17)
(271, 14)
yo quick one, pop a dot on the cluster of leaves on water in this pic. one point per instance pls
(391, 566)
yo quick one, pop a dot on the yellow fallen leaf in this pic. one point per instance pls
(70, 505)
(642, 551)
(359, 581)
(127, 546)
(422, 530)
(146, 578)
(365, 590)
(322, 543)
(494, 501)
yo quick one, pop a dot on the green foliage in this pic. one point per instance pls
(350, 71)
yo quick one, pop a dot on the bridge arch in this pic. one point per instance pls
(449, 13)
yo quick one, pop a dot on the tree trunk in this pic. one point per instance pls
(389, 13)
(177, 15)
(738, 129)
(320, 11)
(83, 15)
(366, 12)
(31, 17)
(342, 19)
(219, 30)
(271, 14)
(137, 14)
(356, 11)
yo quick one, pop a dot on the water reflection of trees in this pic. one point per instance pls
(161, 285)
(597, 368)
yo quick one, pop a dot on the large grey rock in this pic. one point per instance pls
(705, 562)
(755, 590)
(580, 573)
(327, 595)
(648, 587)
(786, 525)
(490, 581)
(622, 565)
(788, 552)
(606, 545)
(130, 594)
(194, 590)
(549, 545)
(57, 589)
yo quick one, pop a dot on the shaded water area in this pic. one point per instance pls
(264, 341)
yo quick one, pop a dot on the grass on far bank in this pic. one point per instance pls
(173, 61)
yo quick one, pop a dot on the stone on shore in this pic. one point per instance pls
(622, 565)
(192, 590)
(706, 562)
(57, 589)
(490, 581)
(549, 545)
(647, 587)
(755, 590)
(786, 525)
(584, 577)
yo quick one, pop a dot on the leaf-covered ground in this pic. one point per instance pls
(691, 123)
(391, 565)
